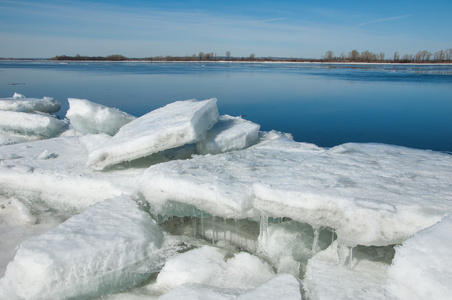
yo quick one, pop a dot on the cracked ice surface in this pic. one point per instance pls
(371, 194)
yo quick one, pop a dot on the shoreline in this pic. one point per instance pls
(227, 61)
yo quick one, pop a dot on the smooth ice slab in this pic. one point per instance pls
(30, 124)
(97, 252)
(230, 133)
(89, 117)
(20, 103)
(422, 266)
(371, 194)
(174, 125)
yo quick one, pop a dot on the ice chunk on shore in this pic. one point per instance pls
(422, 267)
(214, 267)
(99, 251)
(28, 124)
(174, 125)
(230, 133)
(20, 103)
(371, 194)
(89, 117)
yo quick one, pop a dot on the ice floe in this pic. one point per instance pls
(174, 125)
(422, 264)
(20, 103)
(230, 133)
(89, 117)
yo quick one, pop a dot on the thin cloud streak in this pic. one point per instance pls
(383, 20)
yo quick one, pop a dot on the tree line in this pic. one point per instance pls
(367, 56)
(423, 56)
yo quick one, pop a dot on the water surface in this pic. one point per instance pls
(325, 104)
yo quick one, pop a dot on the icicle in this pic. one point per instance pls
(224, 229)
(342, 252)
(195, 226)
(263, 230)
(350, 258)
(316, 240)
(236, 231)
(214, 231)
(202, 224)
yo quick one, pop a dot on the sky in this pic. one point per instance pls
(278, 28)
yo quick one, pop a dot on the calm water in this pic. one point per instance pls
(324, 104)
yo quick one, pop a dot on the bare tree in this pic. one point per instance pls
(396, 56)
(252, 56)
(228, 55)
(329, 55)
(353, 55)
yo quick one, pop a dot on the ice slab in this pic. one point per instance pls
(51, 173)
(422, 268)
(89, 117)
(371, 194)
(97, 252)
(174, 125)
(327, 277)
(230, 133)
(20, 103)
(30, 124)
(214, 267)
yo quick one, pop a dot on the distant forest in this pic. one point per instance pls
(424, 56)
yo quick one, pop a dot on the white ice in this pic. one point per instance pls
(102, 250)
(283, 286)
(371, 194)
(20, 103)
(422, 266)
(230, 133)
(37, 125)
(51, 173)
(214, 267)
(174, 125)
(328, 277)
(89, 117)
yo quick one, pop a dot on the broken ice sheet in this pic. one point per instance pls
(371, 194)
(171, 126)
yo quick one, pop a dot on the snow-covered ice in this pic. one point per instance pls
(102, 250)
(174, 125)
(422, 266)
(370, 194)
(20, 103)
(230, 133)
(330, 274)
(214, 267)
(36, 125)
(89, 117)
(217, 187)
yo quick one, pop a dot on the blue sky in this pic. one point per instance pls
(138, 28)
